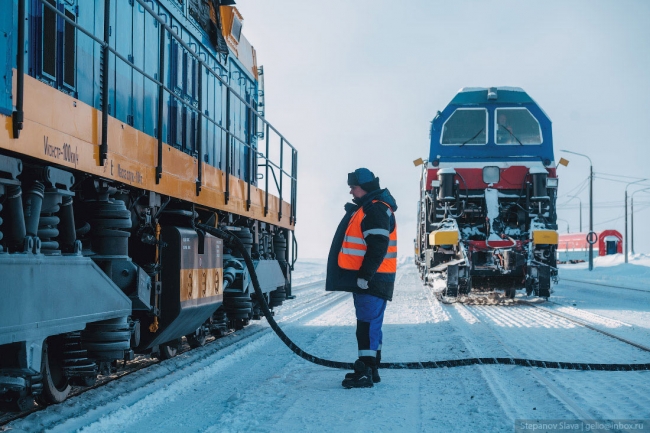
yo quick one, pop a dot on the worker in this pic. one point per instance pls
(363, 260)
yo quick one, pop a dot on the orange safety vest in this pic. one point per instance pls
(354, 244)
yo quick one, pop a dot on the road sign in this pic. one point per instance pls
(592, 238)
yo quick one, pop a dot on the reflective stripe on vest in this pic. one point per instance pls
(354, 245)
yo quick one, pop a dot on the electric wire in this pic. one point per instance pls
(618, 175)
(601, 177)
(582, 185)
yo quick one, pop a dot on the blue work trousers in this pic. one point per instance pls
(370, 316)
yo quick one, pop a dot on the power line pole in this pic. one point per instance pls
(591, 206)
(626, 241)
(632, 218)
(591, 212)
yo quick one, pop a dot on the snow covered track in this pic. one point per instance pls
(160, 383)
(309, 299)
(253, 383)
(417, 365)
(587, 325)
(312, 302)
(594, 283)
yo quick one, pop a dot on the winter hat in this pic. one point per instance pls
(363, 178)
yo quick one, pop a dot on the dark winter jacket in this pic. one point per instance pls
(379, 284)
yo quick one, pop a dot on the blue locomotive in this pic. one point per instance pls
(125, 124)
(487, 209)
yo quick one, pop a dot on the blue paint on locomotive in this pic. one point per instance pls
(7, 56)
(133, 98)
(508, 97)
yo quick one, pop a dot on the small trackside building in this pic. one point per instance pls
(573, 247)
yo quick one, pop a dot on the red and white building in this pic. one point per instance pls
(573, 247)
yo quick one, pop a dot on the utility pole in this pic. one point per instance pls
(632, 218)
(591, 206)
(626, 244)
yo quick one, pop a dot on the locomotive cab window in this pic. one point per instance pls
(465, 126)
(516, 126)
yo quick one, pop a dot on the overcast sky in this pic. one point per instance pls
(356, 84)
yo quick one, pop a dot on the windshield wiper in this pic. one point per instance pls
(510, 132)
(472, 138)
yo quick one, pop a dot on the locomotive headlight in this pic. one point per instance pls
(491, 174)
(551, 182)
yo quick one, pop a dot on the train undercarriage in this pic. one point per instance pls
(99, 271)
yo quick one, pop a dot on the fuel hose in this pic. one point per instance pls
(234, 242)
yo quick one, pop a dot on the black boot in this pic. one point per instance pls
(374, 367)
(362, 376)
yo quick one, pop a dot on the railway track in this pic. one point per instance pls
(496, 299)
(312, 301)
(478, 338)
(583, 323)
(309, 298)
(530, 343)
(487, 321)
(605, 285)
(500, 390)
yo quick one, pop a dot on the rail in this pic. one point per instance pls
(597, 283)
(585, 324)
(231, 136)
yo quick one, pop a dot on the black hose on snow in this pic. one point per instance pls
(234, 242)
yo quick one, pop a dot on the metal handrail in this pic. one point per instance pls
(273, 173)
(163, 88)
(197, 57)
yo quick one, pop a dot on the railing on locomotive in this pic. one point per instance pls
(229, 91)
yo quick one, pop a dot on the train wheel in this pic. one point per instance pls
(197, 339)
(56, 386)
(169, 350)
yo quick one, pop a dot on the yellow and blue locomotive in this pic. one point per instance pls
(487, 209)
(126, 123)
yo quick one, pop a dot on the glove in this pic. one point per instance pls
(363, 284)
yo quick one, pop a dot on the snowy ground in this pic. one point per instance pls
(612, 270)
(250, 382)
